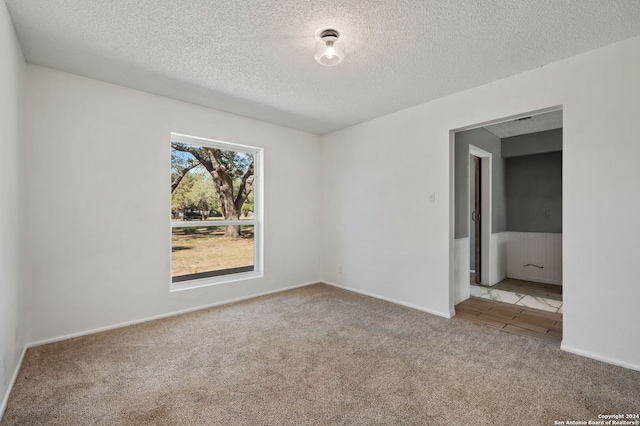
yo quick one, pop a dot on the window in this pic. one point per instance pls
(216, 214)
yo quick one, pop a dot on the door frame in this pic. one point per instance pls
(485, 210)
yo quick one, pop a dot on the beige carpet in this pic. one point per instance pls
(316, 355)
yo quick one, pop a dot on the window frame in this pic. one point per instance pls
(256, 222)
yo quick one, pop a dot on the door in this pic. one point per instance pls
(475, 215)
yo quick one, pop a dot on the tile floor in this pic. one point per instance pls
(519, 299)
(548, 291)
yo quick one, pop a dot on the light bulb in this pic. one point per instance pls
(330, 52)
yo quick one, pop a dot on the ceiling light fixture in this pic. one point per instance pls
(329, 48)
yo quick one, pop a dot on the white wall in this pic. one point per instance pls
(98, 203)
(12, 292)
(388, 240)
(382, 235)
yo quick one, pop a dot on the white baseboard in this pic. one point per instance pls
(5, 399)
(170, 314)
(534, 279)
(397, 302)
(600, 357)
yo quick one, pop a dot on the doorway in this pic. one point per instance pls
(522, 260)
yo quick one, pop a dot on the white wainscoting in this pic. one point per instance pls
(535, 248)
(510, 251)
(497, 268)
(461, 289)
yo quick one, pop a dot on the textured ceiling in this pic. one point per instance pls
(534, 124)
(255, 57)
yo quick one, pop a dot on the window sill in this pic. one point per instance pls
(209, 281)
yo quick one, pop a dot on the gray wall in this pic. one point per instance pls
(489, 142)
(534, 193)
(532, 143)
